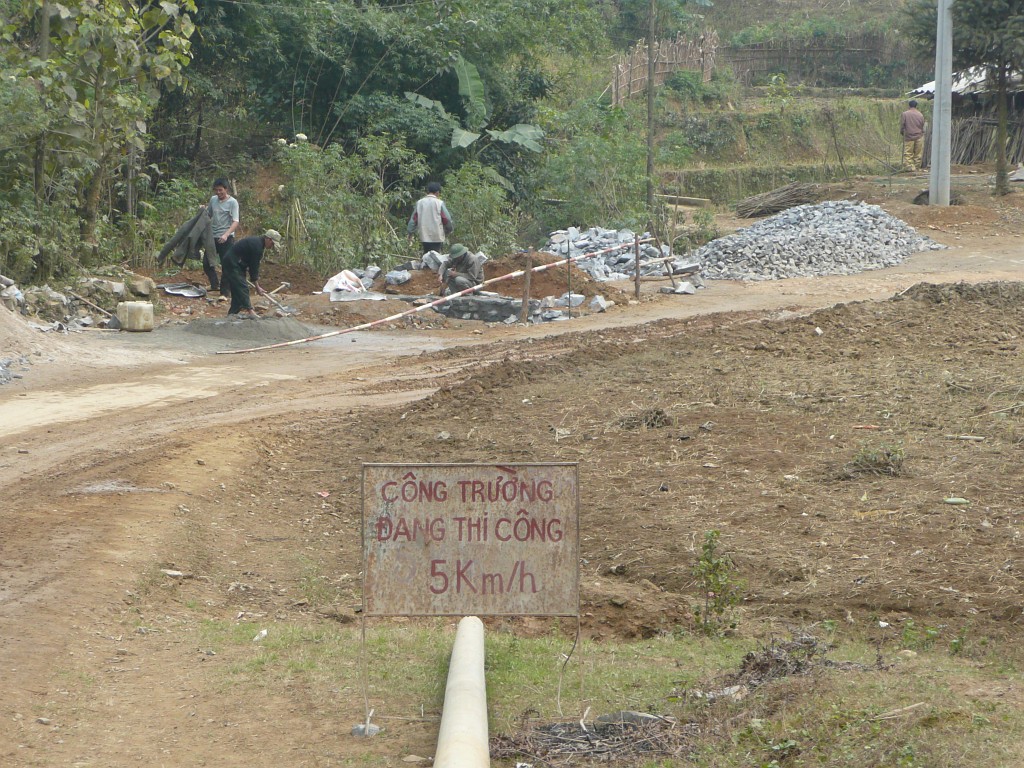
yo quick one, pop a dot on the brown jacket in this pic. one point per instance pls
(912, 125)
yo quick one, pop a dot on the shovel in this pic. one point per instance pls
(283, 307)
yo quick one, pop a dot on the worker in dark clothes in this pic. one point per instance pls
(462, 270)
(245, 257)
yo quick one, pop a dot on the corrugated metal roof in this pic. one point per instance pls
(973, 80)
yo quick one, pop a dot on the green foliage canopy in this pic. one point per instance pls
(93, 66)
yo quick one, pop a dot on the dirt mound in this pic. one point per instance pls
(321, 310)
(18, 339)
(550, 282)
(267, 329)
(999, 294)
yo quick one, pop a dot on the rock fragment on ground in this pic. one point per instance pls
(397, 277)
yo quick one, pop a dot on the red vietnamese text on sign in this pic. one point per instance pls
(470, 539)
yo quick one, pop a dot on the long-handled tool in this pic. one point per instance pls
(283, 307)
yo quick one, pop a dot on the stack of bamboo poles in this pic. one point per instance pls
(974, 140)
(777, 200)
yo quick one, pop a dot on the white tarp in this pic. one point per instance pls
(346, 280)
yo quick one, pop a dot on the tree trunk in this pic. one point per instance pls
(39, 161)
(1002, 182)
(197, 143)
(90, 211)
(89, 207)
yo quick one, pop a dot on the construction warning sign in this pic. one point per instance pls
(471, 539)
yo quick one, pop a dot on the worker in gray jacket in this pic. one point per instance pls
(224, 221)
(462, 270)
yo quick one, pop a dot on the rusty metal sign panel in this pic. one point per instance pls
(471, 540)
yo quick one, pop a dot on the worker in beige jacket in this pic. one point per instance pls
(431, 219)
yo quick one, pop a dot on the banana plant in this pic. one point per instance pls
(471, 89)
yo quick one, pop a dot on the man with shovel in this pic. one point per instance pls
(245, 256)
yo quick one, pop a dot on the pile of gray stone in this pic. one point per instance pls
(833, 238)
(618, 262)
(492, 308)
(10, 367)
(75, 306)
(488, 308)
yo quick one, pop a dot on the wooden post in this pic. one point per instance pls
(668, 264)
(636, 266)
(524, 312)
(568, 275)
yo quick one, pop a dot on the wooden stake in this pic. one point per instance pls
(670, 273)
(524, 312)
(84, 300)
(568, 275)
(636, 267)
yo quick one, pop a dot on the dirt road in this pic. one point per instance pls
(129, 454)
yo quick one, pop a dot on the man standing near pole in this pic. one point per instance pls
(912, 130)
(431, 219)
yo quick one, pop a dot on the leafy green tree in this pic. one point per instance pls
(478, 199)
(342, 208)
(596, 168)
(336, 72)
(988, 34)
(476, 113)
(94, 65)
(631, 18)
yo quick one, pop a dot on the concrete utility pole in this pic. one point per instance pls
(942, 112)
(651, 11)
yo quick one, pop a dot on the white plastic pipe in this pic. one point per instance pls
(462, 741)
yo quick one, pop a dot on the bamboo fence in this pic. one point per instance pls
(807, 60)
(681, 53)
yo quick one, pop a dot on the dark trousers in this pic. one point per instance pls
(432, 247)
(211, 271)
(234, 281)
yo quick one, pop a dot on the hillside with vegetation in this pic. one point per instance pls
(748, 20)
(330, 120)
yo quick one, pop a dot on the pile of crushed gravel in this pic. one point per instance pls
(832, 238)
